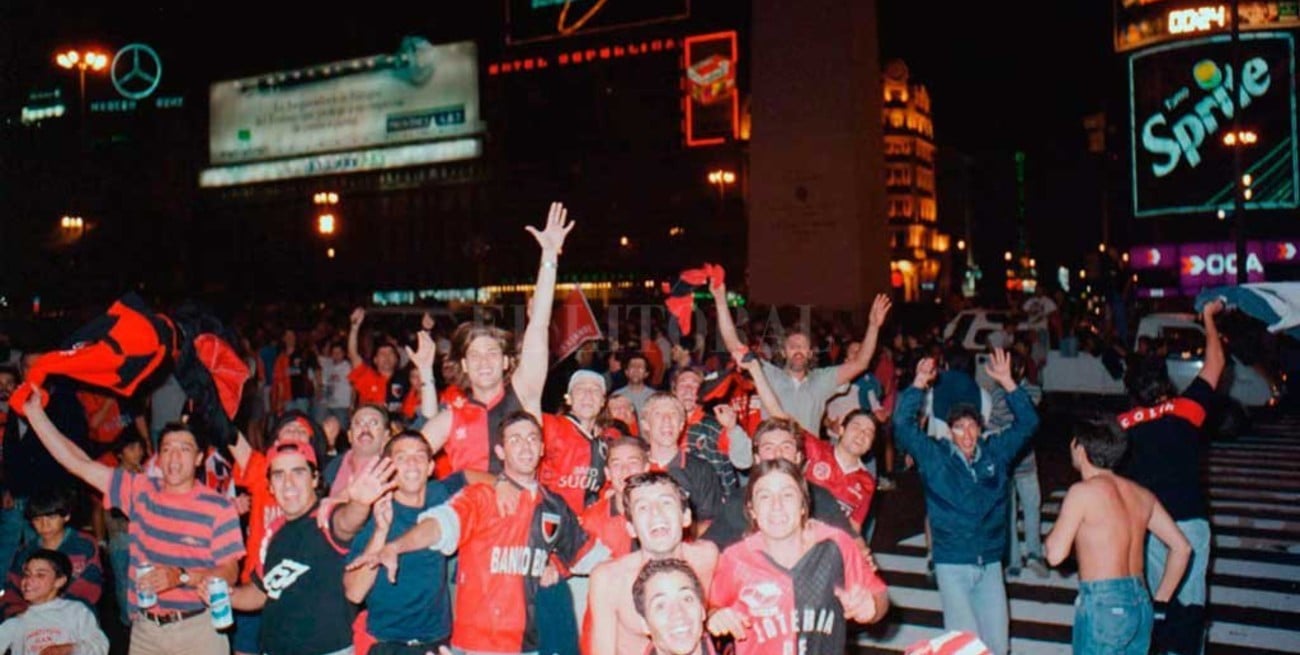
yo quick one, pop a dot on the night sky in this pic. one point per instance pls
(1002, 76)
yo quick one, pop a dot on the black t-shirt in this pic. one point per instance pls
(1166, 445)
(703, 489)
(300, 367)
(302, 576)
(731, 524)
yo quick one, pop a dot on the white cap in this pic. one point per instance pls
(586, 374)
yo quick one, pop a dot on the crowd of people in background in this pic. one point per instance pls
(404, 483)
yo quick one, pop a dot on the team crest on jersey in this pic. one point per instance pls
(550, 526)
(821, 471)
(762, 599)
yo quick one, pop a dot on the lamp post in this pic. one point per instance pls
(90, 59)
(722, 179)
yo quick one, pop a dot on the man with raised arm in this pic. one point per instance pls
(1166, 444)
(803, 390)
(966, 487)
(498, 385)
(1106, 518)
(186, 532)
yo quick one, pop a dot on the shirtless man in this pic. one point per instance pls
(657, 515)
(1107, 516)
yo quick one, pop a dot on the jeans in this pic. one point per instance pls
(1192, 590)
(1112, 617)
(975, 600)
(15, 530)
(119, 557)
(1029, 498)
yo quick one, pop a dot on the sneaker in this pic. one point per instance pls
(1037, 566)
(886, 484)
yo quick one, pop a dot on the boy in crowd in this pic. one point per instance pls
(51, 625)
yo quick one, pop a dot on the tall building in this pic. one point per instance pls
(918, 248)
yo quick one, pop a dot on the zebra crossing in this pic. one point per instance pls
(1254, 492)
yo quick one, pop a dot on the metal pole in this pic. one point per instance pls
(1238, 201)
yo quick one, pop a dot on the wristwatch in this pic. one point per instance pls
(184, 578)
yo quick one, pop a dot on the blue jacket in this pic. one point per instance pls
(966, 501)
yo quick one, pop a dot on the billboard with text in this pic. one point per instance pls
(422, 92)
(1183, 99)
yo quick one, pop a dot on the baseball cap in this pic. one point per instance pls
(585, 374)
(283, 448)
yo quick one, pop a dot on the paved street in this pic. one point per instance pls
(1254, 485)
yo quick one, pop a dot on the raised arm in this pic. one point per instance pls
(750, 362)
(1215, 360)
(358, 582)
(354, 354)
(66, 453)
(530, 375)
(852, 368)
(1014, 436)
(378, 478)
(437, 423)
(907, 421)
(726, 326)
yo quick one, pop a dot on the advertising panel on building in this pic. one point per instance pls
(1172, 269)
(538, 20)
(1142, 23)
(1183, 98)
(366, 113)
(710, 102)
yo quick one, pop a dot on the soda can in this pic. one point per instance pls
(144, 599)
(219, 603)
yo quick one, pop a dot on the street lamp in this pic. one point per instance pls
(721, 179)
(90, 59)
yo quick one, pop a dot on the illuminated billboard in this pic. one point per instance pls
(421, 93)
(538, 20)
(1187, 268)
(1181, 107)
(710, 100)
(1141, 23)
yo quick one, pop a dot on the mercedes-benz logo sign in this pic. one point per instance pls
(136, 71)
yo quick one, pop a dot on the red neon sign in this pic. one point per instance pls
(710, 100)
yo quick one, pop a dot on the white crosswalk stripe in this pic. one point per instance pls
(1254, 489)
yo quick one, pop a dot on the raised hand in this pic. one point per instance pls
(1211, 309)
(926, 370)
(879, 310)
(375, 479)
(32, 406)
(551, 237)
(426, 350)
(999, 368)
(357, 317)
(726, 415)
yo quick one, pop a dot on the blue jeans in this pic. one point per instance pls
(1028, 497)
(1192, 590)
(119, 557)
(15, 530)
(975, 600)
(1112, 617)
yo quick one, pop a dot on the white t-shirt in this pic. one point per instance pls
(338, 390)
(60, 621)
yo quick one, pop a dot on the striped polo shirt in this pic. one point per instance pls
(197, 529)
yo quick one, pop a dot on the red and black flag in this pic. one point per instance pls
(681, 294)
(116, 351)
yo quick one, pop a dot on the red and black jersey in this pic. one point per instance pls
(470, 444)
(502, 560)
(573, 463)
(852, 489)
(606, 524)
(792, 610)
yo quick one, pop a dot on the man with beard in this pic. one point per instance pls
(804, 390)
(657, 515)
(183, 530)
(504, 560)
(498, 385)
(413, 615)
